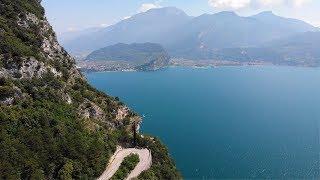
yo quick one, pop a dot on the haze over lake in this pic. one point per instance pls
(228, 122)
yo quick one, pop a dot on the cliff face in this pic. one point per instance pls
(53, 124)
(30, 51)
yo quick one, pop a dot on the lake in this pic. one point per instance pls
(228, 122)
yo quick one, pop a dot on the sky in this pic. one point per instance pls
(76, 15)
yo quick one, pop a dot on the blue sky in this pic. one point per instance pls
(74, 15)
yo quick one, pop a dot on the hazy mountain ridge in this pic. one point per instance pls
(209, 36)
(140, 28)
(296, 50)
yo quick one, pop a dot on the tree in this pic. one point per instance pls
(66, 171)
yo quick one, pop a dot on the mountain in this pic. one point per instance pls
(203, 35)
(300, 49)
(144, 27)
(53, 124)
(284, 25)
(65, 37)
(193, 37)
(145, 56)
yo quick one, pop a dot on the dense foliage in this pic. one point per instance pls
(162, 165)
(17, 41)
(42, 139)
(43, 136)
(127, 165)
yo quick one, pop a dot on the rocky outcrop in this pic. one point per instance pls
(32, 68)
(122, 113)
(28, 20)
(90, 110)
(26, 68)
(16, 94)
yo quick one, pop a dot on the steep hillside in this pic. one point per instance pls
(296, 50)
(283, 25)
(53, 124)
(145, 56)
(300, 49)
(192, 37)
(203, 35)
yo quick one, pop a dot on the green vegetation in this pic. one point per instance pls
(127, 165)
(144, 56)
(43, 138)
(162, 165)
(18, 41)
(6, 91)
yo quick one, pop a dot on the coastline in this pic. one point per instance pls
(88, 71)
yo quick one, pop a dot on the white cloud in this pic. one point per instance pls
(229, 4)
(294, 3)
(240, 4)
(299, 3)
(270, 2)
(147, 6)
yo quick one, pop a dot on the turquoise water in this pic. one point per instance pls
(228, 122)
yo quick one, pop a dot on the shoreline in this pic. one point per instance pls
(197, 67)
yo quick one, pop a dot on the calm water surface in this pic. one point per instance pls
(228, 122)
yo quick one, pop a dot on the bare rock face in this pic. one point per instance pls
(27, 68)
(29, 19)
(51, 57)
(52, 53)
(90, 110)
(8, 101)
(48, 57)
(50, 45)
(122, 113)
(32, 68)
(16, 95)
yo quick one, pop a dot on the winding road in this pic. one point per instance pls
(117, 158)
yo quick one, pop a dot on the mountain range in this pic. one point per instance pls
(208, 36)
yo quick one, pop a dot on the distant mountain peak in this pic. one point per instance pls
(167, 10)
(222, 14)
(226, 13)
(265, 14)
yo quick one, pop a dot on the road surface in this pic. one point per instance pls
(117, 158)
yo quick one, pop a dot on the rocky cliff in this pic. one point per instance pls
(53, 124)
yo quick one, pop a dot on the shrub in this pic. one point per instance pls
(51, 141)
(5, 92)
(127, 165)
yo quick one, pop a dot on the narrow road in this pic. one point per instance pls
(117, 158)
